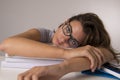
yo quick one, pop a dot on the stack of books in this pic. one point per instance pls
(112, 68)
(27, 62)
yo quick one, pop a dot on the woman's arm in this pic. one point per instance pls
(28, 44)
(82, 63)
(57, 71)
(96, 55)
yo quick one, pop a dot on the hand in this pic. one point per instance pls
(94, 54)
(53, 72)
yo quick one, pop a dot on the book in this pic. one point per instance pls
(100, 74)
(110, 70)
(27, 62)
(112, 67)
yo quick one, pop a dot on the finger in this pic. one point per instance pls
(28, 76)
(35, 77)
(103, 57)
(39, 72)
(21, 76)
(95, 61)
(99, 57)
(90, 56)
(92, 59)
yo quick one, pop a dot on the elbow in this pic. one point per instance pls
(5, 44)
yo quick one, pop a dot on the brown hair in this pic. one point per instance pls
(94, 29)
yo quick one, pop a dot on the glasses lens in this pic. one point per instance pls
(67, 30)
(73, 43)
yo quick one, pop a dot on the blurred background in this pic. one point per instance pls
(17, 16)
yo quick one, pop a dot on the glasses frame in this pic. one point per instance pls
(70, 35)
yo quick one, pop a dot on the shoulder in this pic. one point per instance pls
(45, 34)
(44, 30)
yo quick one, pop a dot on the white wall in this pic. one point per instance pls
(19, 15)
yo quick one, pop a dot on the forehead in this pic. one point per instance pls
(77, 30)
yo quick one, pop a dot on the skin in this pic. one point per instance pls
(57, 71)
(76, 59)
(61, 40)
(53, 72)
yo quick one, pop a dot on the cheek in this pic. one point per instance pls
(58, 34)
(55, 37)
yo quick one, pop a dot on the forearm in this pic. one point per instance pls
(75, 65)
(30, 48)
(82, 63)
(108, 55)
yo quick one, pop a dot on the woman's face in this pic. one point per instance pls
(69, 35)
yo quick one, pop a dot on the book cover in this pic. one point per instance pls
(110, 69)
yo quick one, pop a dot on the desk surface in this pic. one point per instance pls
(11, 74)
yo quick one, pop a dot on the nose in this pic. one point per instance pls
(64, 39)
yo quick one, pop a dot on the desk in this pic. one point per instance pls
(11, 74)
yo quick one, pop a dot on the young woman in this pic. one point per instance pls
(84, 34)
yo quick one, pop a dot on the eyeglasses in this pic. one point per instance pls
(67, 30)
